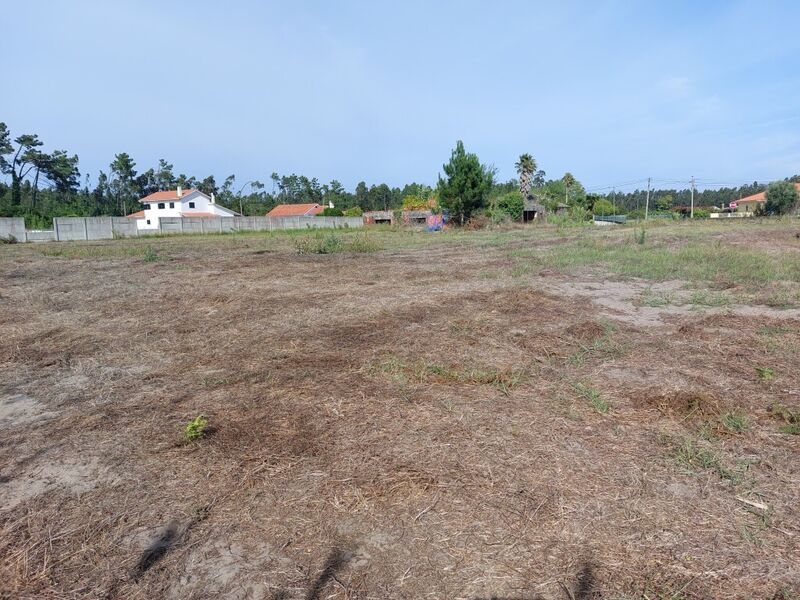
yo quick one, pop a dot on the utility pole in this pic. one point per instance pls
(691, 214)
(647, 202)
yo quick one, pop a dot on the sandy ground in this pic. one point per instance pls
(403, 424)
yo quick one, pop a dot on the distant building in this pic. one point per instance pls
(751, 204)
(177, 203)
(296, 210)
(379, 217)
(533, 210)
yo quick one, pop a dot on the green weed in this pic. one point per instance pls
(765, 373)
(602, 346)
(362, 243)
(195, 429)
(790, 418)
(150, 255)
(656, 299)
(319, 243)
(594, 398)
(694, 458)
(706, 298)
(735, 421)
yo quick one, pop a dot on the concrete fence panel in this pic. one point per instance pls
(124, 227)
(13, 226)
(106, 228)
(193, 225)
(41, 236)
(171, 224)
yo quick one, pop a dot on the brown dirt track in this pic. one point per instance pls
(414, 422)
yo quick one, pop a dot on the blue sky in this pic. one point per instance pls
(380, 91)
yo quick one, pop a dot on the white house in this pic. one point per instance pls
(177, 203)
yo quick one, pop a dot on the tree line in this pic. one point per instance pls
(40, 185)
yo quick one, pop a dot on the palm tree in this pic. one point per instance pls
(526, 167)
(569, 181)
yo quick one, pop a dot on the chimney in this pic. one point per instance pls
(213, 199)
(180, 191)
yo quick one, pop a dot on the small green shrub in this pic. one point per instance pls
(319, 243)
(641, 236)
(150, 255)
(765, 373)
(195, 429)
(354, 211)
(362, 243)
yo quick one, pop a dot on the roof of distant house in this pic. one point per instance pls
(139, 214)
(296, 210)
(761, 196)
(167, 195)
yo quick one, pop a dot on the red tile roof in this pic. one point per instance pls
(761, 196)
(295, 210)
(137, 215)
(166, 195)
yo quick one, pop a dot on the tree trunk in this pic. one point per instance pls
(35, 189)
(16, 190)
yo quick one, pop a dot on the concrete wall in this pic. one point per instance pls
(13, 226)
(106, 228)
(41, 236)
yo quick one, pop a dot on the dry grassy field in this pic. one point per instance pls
(531, 413)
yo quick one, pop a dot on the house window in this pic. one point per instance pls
(148, 221)
(191, 204)
(160, 205)
(148, 206)
(172, 205)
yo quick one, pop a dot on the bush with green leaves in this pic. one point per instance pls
(701, 213)
(195, 429)
(603, 207)
(781, 198)
(353, 211)
(510, 205)
(331, 212)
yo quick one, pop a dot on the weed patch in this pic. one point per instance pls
(765, 373)
(333, 243)
(706, 298)
(790, 418)
(195, 429)
(150, 255)
(595, 399)
(693, 457)
(735, 421)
